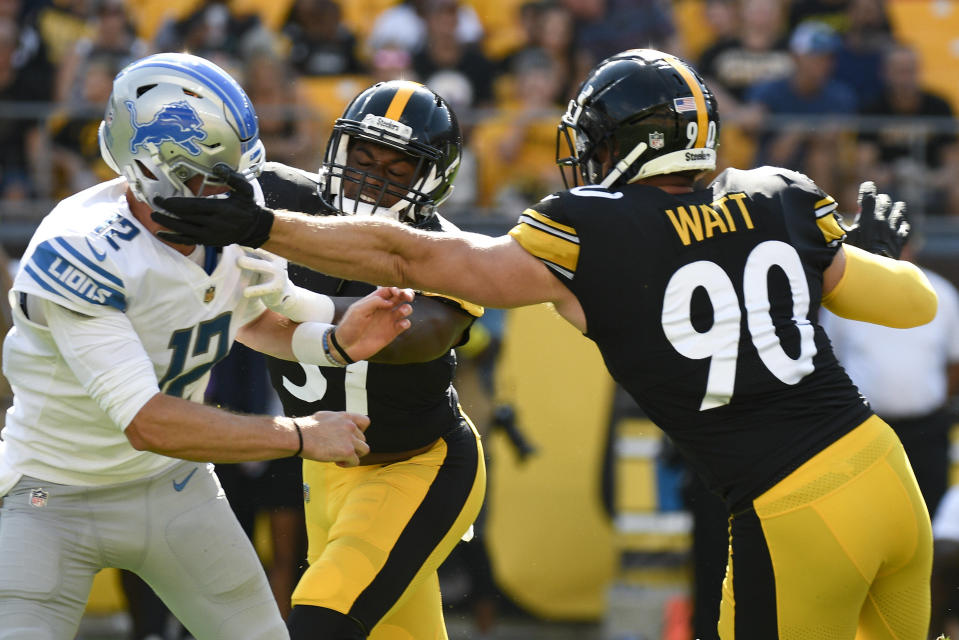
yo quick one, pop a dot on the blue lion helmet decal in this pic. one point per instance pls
(177, 122)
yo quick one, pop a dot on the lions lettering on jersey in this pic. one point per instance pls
(54, 271)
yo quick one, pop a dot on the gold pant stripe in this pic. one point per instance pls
(378, 533)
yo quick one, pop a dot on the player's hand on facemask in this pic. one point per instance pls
(371, 323)
(217, 221)
(882, 226)
(334, 436)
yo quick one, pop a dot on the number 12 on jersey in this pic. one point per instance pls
(720, 343)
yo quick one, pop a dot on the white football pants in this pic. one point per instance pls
(175, 530)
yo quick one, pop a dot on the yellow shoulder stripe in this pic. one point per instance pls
(830, 229)
(824, 202)
(549, 222)
(546, 246)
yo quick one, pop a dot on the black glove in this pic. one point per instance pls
(882, 226)
(235, 219)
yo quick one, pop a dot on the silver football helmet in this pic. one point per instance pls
(172, 116)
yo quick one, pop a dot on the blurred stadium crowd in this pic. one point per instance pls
(843, 90)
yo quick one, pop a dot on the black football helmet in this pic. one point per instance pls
(405, 116)
(649, 111)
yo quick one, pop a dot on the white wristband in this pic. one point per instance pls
(310, 346)
(304, 305)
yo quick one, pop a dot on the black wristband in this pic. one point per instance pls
(340, 350)
(299, 434)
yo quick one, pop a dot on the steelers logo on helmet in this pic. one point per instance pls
(405, 117)
(640, 113)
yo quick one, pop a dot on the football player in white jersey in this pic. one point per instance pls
(105, 459)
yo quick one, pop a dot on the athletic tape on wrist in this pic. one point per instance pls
(310, 345)
(307, 306)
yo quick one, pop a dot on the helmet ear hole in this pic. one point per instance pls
(144, 171)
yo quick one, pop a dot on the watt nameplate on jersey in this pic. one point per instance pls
(208, 294)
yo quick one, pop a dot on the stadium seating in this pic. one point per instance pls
(331, 94)
(932, 27)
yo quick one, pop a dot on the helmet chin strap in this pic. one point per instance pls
(623, 165)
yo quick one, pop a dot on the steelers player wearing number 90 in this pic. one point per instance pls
(105, 454)
(704, 306)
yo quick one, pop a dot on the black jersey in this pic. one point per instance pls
(409, 405)
(704, 306)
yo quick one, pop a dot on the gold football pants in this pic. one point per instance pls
(839, 549)
(377, 534)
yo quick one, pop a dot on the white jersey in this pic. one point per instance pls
(91, 256)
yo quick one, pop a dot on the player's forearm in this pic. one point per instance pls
(882, 291)
(435, 329)
(368, 250)
(271, 334)
(181, 429)
(493, 272)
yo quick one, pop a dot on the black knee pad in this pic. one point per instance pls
(311, 623)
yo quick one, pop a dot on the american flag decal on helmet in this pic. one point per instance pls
(684, 104)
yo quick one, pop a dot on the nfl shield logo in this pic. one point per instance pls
(38, 497)
(656, 140)
(208, 294)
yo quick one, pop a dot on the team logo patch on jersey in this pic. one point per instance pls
(177, 122)
(54, 272)
(656, 140)
(683, 105)
(38, 497)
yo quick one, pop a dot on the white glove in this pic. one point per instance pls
(272, 285)
(270, 282)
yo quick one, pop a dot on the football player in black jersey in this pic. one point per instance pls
(377, 533)
(704, 306)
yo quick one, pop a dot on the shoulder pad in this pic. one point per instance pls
(766, 180)
(564, 207)
(545, 230)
